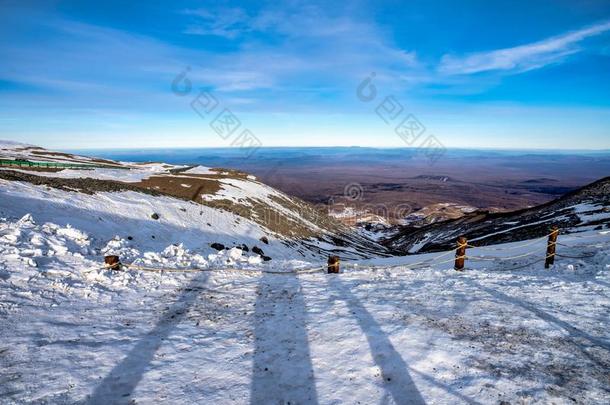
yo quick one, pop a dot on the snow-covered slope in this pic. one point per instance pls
(149, 207)
(584, 209)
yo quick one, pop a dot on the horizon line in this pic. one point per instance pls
(490, 148)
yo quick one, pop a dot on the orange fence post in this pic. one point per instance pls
(460, 253)
(550, 247)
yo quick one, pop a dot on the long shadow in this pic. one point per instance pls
(394, 370)
(600, 282)
(576, 335)
(282, 371)
(118, 385)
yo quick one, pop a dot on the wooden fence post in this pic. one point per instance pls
(333, 264)
(112, 262)
(550, 247)
(460, 253)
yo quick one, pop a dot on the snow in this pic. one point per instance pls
(185, 323)
(133, 174)
(589, 213)
(11, 145)
(200, 170)
(421, 243)
(244, 191)
(74, 332)
(112, 216)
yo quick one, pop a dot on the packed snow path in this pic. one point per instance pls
(372, 336)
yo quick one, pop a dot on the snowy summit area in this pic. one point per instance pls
(223, 295)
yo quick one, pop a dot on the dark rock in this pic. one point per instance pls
(265, 258)
(244, 247)
(155, 216)
(258, 250)
(217, 246)
(130, 238)
(264, 240)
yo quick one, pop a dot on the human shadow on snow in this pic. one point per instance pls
(282, 370)
(394, 369)
(120, 382)
(581, 339)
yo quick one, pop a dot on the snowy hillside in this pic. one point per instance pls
(587, 208)
(150, 207)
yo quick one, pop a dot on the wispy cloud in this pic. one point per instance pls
(296, 43)
(229, 23)
(524, 57)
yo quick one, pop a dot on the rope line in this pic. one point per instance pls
(421, 264)
(198, 270)
(510, 247)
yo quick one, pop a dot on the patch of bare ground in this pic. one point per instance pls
(81, 185)
(49, 153)
(70, 158)
(186, 188)
(277, 221)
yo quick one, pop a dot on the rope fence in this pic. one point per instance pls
(459, 259)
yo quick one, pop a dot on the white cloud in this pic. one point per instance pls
(524, 57)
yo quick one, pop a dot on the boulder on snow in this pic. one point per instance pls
(217, 246)
(244, 247)
(258, 251)
(264, 240)
(154, 216)
(265, 258)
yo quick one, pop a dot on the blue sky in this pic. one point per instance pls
(502, 74)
